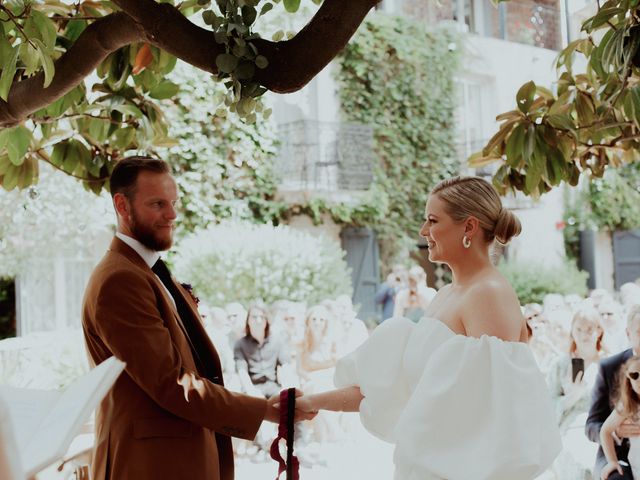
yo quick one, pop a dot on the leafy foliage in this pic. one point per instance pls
(532, 281)
(236, 262)
(233, 22)
(615, 199)
(80, 134)
(591, 122)
(398, 77)
(223, 166)
(118, 113)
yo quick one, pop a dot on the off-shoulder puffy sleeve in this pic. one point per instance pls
(377, 368)
(456, 407)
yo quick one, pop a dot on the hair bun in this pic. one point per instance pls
(507, 226)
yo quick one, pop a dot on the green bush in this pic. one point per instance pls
(240, 262)
(532, 281)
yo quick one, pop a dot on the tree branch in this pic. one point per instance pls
(92, 47)
(292, 63)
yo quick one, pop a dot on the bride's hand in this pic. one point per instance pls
(305, 404)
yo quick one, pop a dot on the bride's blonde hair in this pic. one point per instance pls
(466, 197)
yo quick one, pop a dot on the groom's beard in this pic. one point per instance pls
(148, 235)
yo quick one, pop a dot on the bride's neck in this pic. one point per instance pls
(473, 264)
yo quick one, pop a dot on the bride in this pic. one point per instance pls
(459, 393)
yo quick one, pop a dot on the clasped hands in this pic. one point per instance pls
(305, 409)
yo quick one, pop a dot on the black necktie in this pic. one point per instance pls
(193, 336)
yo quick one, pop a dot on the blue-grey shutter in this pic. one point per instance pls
(363, 259)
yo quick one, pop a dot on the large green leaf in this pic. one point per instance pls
(45, 28)
(524, 97)
(17, 143)
(603, 16)
(164, 89)
(46, 61)
(8, 72)
(515, 146)
(226, 63)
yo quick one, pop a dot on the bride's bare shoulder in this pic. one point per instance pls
(491, 307)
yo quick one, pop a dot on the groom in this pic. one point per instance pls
(602, 399)
(168, 415)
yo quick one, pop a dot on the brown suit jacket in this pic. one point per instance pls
(163, 418)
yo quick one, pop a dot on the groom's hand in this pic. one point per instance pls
(305, 407)
(300, 414)
(273, 412)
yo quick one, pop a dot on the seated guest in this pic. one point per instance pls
(218, 327)
(571, 380)
(556, 310)
(543, 337)
(237, 316)
(602, 401)
(599, 295)
(411, 302)
(627, 407)
(612, 322)
(386, 294)
(352, 332)
(573, 301)
(630, 294)
(319, 349)
(258, 355)
(574, 374)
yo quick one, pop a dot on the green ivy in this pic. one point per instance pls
(394, 75)
(224, 166)
(398, 76)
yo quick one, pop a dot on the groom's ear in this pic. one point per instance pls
(121, 204)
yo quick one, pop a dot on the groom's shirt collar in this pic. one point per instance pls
(149, 256)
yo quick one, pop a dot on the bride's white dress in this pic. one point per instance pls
(457, 407)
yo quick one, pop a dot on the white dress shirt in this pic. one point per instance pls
(149, 256)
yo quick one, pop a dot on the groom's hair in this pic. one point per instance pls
(125, 173)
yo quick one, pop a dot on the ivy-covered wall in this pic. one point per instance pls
(223, 165)
(399, 77)
(394, 75)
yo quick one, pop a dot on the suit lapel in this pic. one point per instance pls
(211, 356)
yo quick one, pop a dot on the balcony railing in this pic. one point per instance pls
(325, 156)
